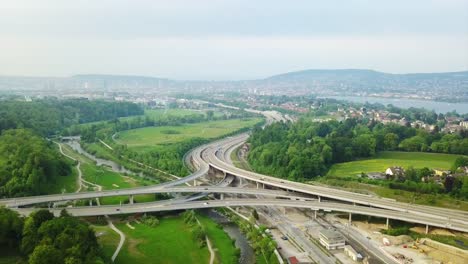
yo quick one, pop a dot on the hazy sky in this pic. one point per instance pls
(209, 39)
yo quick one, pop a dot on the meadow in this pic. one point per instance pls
(169, 242)
(386, 159)
(151, 136)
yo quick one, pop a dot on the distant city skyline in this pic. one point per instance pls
(230, 40)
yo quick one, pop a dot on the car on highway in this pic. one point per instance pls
(284, 237)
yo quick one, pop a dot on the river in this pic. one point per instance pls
(75, 145)
(247, 254)
(438, 107)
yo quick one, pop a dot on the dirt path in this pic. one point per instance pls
(212, 253)
(80, 174)
(82, 182)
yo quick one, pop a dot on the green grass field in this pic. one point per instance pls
(383, 160)
(150, 136)
(107, 238)
(169, 242)
(223, 244)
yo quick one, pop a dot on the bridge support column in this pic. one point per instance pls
(427, 229)
(222, 196)
(131, 199)
(350, 218)
(257, 185)
(263, 185)
(387, 223)
(319, 199)
(315, 214)
(240, 181)
(90, 202)
(194, 182)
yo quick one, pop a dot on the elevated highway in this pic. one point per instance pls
(313, 205)
(214, 160)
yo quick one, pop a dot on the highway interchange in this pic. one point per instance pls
(212, 158)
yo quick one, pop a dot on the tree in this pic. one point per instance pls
(390, 141)
(46, 254)
(10, 228)
(255, 214)
(209, 114)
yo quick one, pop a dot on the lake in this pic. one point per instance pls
(438, 107)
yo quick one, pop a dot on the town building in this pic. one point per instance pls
(331, 239)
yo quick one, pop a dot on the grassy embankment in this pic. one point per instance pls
(346, 175)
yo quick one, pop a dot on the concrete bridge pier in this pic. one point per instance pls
(427, 229)
(90, 202)
(319, 199)
(315, 214)
(257, 185)
(131, 200)
(387, 224)
(222, 196)
(350, 218)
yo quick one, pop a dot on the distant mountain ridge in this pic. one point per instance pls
(445, 86)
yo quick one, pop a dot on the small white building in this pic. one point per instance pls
(395, 171)
(331, 239)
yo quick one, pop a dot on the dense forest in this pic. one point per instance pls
(48, 117)
(307, 149)
(43, 239)
(28, 163)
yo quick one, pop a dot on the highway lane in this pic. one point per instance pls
(443, 213)
(313, 205)
(15, 202)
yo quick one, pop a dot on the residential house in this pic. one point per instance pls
(395, 171)
(441, 172)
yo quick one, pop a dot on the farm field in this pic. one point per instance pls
(150, 136)
(386, 159)
(170, 242)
